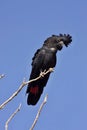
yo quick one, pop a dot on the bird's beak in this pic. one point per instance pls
(60, 45)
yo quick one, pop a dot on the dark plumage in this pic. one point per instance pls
(44, 59)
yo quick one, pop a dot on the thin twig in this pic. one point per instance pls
(38, 113)
(10, 118)
(24, 84)
(2, 76)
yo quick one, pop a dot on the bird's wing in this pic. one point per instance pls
(35, 89)
(37, 62)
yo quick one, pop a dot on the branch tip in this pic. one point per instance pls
(2, 76)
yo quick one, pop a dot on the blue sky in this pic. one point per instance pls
(24, 25)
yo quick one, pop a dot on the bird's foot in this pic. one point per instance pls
(42, 73)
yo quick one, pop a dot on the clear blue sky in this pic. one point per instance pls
(24, 25)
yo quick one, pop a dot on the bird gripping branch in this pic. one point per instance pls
(43, 59)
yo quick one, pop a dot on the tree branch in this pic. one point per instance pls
(10, 118)
(24, 84)
(38, 113)
(2, 76)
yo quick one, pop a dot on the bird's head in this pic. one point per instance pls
(58, 42)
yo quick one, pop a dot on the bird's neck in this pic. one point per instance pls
(52, 49)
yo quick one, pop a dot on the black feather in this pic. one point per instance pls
(43, 59)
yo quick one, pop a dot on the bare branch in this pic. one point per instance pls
(2, 76)
(24, 84)
(10, 118)
(38, 113)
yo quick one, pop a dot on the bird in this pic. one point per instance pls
(43, 59)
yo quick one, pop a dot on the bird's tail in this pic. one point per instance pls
(34, 95)
(35, 89)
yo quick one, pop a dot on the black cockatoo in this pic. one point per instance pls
(44, 58)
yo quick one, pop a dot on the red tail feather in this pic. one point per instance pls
(34, 90)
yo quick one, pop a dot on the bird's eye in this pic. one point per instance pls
(58, 40)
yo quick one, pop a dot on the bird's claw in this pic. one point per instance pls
(42, 73)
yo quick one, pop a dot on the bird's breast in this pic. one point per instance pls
(49, 61)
